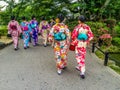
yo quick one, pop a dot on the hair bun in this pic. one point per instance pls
(81, 18)
(61, 17)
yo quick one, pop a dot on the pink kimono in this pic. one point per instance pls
(80, 49)
(15, 30)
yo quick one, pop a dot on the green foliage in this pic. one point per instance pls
(110, 23)
(99, 54)
(96, 26)
(117, 29)
(116, 41)
(3, 30)
(94, 9)
(107, 41)
(72, 24)
(116, 68)
(115, 58)
(112, 49)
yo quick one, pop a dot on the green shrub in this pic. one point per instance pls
(3, 30)
(116, 41)
(112, 49)
(110, 22)
(116, 68)
(99, 54)
(72, 24)
(96, 27)
(117, 30)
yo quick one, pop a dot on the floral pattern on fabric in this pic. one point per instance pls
(80, 49)
(60, 47)
(14, 33)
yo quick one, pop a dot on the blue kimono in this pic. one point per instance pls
(25, 33)
(34, 29)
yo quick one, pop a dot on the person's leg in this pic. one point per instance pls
(45, 41)
(44, 38)
(34, 38)
(64, 51)
(80, 57)
(27, 41)
(15, 41)
(59, 63)
(24, 40)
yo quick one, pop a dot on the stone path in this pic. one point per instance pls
(34, 69)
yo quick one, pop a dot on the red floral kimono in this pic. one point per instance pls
(80, 49)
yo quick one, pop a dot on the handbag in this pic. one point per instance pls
(72, 47)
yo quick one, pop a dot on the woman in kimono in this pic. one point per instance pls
(81, 36)
(14, 30)
(61, 35)
(25, 32)
(44, 30)
(35, 29)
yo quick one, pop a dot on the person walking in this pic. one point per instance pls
(44, 30)
(81, 36)
(61, 35)
(14, 30)
(25, 32)
(35, 29)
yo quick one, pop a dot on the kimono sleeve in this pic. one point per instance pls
(29, 27)
(74, 34)
(67, 32)
(90, 34)
(51, 34)
(18, 27)
(9, 29)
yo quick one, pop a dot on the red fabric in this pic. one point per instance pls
(72, 48)
(25, 28)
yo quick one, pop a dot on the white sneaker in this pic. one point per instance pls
(59, 71)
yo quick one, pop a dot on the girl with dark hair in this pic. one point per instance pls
(44, 29)
(61, 35)
(25, 32)
(14, 30)
(81, 36)
(35, 29)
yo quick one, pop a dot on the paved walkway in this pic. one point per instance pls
(34, 69)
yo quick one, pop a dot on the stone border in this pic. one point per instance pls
(3, 45)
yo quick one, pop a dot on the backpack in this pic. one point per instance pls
(13, 26)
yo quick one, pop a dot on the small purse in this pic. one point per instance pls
(72, 47)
